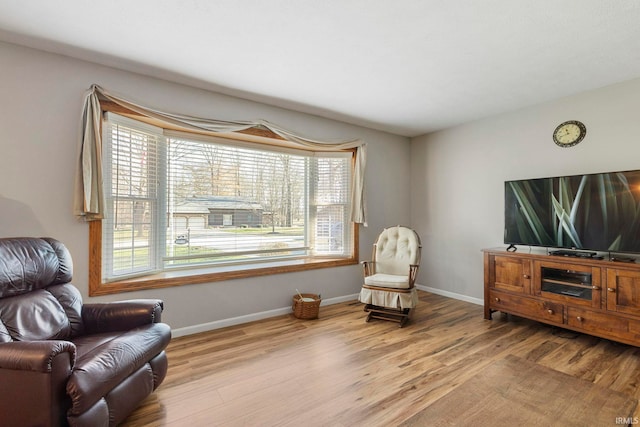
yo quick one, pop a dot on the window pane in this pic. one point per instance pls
(131, 248)
(129, 244)
(332, 194)
(234, 204)
(330, 236)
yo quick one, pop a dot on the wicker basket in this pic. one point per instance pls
(306, 309)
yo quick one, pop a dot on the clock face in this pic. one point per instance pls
(569, 133)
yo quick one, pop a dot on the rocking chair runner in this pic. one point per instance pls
(389, 277)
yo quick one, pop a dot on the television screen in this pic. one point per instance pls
(599, 212)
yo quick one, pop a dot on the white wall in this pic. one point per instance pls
(458, 174)
(41, 99)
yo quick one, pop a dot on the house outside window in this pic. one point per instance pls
(178, 201)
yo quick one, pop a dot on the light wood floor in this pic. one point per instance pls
(340, 371)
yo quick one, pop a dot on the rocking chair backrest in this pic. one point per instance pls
(396, 249)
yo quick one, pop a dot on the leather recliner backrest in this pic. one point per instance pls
(36, 299)
(27, 264)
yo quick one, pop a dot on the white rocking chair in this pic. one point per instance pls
(389, 278)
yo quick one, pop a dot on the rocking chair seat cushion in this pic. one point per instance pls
(387, 281)
(400, 300)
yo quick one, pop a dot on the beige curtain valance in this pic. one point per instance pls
(89, 195)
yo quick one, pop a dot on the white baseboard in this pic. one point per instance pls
(204, 327)
(217, 324)
(453, 295)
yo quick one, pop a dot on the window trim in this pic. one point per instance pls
(198, 275)
(191, 276)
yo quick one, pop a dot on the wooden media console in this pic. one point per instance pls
(593, 296)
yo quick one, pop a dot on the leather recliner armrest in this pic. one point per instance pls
(33, 377)
(120, 315)
(35, 356)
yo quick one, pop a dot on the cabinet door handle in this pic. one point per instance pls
(550, 311)
(579, 318)
(526, 276)
(611, 289)
(497, 299)
(595, 288)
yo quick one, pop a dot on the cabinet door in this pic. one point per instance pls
(574, 284)
(512, 274)
(623, 291)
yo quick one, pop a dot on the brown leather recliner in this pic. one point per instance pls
(65, 362)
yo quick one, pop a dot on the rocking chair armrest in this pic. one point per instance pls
(413, 273)
(369, 267)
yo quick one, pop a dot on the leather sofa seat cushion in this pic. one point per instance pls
(105, 360)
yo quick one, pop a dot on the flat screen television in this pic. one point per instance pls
(597, 212)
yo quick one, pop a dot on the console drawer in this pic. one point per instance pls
(527, 307)
(604, 324)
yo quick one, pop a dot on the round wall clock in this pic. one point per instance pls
(569, 133)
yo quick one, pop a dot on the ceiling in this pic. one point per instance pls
(407, 67)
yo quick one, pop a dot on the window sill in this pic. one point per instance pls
(207, 275)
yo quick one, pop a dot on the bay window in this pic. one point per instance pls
(182, 207)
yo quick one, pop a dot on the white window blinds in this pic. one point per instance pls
(179, 200)
(133, 220)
